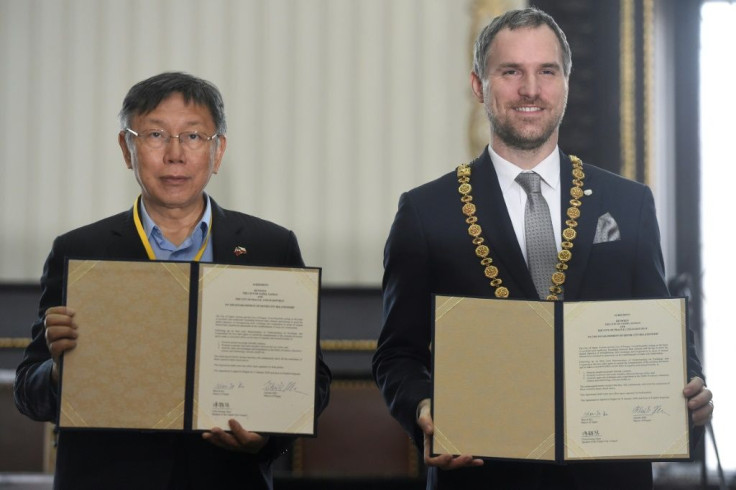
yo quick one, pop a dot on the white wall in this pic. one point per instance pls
(334, 108)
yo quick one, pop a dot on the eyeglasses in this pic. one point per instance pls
(156, 139)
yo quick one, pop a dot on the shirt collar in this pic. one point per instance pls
(548, 169)
(149, 226)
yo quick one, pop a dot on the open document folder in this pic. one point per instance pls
(556, 381)
(188, 346)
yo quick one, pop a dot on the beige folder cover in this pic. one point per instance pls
(129, 367)
(494, 396)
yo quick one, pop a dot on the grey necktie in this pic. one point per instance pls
(541, 251)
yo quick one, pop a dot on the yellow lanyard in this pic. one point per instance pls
(147, 244)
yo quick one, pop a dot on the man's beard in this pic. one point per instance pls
(511, 137)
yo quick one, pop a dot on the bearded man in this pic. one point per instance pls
(521, 72)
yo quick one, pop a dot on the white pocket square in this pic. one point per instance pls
(607, 230)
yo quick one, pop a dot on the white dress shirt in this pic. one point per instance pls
(515, 196)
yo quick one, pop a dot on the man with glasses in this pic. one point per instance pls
(173, 139)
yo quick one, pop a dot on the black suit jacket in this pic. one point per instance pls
(108, 459)
(429, 251)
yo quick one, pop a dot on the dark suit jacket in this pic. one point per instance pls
(106, 459)
(429, 251)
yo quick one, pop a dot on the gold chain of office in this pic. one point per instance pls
(484, 253)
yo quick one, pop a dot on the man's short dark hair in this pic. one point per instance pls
(516, 19)
(145, 96)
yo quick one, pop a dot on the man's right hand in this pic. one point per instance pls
(61, 334)
(443, 461)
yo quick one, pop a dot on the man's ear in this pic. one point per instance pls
(220, 152)
(477, 85)
(126, 151)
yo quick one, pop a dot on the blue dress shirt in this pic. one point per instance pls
(165, 250)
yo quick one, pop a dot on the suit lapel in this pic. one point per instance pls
(227, 235)
(589, 212)
(125, 242)
(493, 218)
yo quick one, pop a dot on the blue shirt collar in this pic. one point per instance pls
(165, 250)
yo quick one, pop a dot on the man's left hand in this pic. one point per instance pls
(699, 401)
(239, 440)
